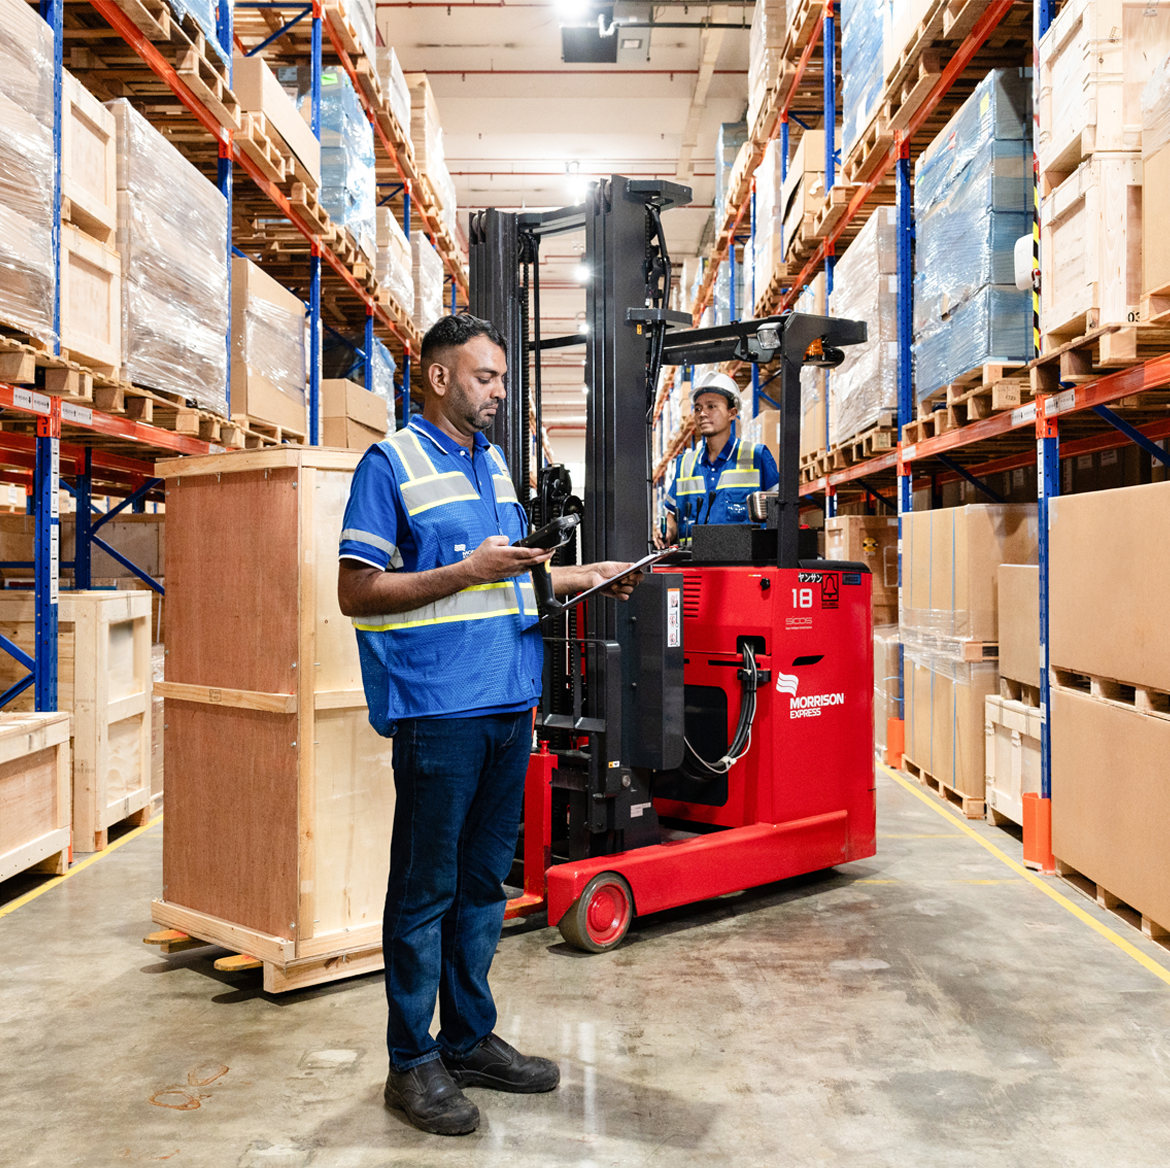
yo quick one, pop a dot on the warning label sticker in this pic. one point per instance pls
(830, 590)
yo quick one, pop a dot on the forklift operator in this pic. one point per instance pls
(451, 656)
(712, 482)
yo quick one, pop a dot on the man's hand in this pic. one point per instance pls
(569, 581)
(671, 536)
(496, 559)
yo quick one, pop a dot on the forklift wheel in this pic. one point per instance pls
(598, 919)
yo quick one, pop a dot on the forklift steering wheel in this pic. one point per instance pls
(599, 918)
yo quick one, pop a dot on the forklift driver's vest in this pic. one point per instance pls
(476, 650)
(727, 503)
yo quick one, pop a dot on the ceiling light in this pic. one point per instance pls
(581, 274)
(573, 9)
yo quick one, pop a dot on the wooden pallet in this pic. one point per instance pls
(869, 151)
(971, 807)
(875, 440)
(27, 361)
(206, 80)
(1087, 357)
(265, 147)
(985, 390)
(1018, 691)
(1101, 896)
(1142, 698)
(258, 434)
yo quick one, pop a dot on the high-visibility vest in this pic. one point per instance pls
(476, 649)
(739, 478)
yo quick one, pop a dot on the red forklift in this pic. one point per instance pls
(714, 733)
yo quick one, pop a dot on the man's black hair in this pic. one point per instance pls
(450, 332)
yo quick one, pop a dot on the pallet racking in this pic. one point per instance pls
(68, 428)
(1062, 406)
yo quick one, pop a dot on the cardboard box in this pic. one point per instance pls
(258, 92)
(346, 434)
(341, 398)
(1108, 559)
(1110, 798)
(944, 714)
(870, 540)
(950, 568)
(265, 347)
(1019, 623)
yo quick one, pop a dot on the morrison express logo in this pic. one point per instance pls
(808, 706)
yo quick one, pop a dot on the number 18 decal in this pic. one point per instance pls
(802, 598)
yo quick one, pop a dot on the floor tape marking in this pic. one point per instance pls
(1133, 951)
(20, 901)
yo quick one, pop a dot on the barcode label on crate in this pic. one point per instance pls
(82, 415)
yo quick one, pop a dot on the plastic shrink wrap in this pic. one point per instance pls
(26, 171)
(360, 14)
(203, 13)
(426, 134)
(765, 46)
(172, 236)
(865, 287)
(343, 358)
(394, 87)
(812, 380)
(348, 181)
(862, 75)
(428, 281)
(972, 200)
(727, 309)
(731, 136)
(272, 345)
(768, 221)
(395, 263)
(382, 375)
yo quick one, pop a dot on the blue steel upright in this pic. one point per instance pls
(52, 11)
(1047, 487)
(905, 300)
(315, 251)
(369, 342)
(830, 94)
(47, 553)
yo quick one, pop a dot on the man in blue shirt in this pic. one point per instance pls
(452, 657)
(713, 481)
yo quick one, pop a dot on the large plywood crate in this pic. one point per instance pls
(279, 794)
(89, 168)
(34, 793)
(103, 679)
(1091, 248)
(91, 302)
(1012, 757)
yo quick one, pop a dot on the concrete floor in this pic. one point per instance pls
(928, 1008)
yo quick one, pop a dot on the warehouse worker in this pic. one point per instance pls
(712, 482)
(451, 656)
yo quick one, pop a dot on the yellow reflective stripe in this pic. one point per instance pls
(479, 602)
(407, 446)
(422, 494)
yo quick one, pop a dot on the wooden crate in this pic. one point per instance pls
(34, 793)
(91, 302)
(1093, 63)
(1156, 246)
(103, 679)
(89, 176)
(279, 794)
(1091, 248)
(1013, 757)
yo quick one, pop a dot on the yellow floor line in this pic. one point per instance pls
(1143, 959)
(20, 901)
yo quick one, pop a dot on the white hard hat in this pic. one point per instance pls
(717, 383)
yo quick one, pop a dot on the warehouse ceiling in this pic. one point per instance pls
(523, 129)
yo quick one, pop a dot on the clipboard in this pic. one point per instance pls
(644, 562)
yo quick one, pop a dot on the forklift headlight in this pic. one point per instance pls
(768, 337)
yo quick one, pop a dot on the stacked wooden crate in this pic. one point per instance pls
(871, 540)
(34, 793)
(949, 628)
(1110, 707)
(1094, 62)
(103, 679)
(1013, 716)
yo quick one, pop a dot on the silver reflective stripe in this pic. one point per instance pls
(421, 494)
(479, 602)
(505, 492)
(745, 473)
(368, 537)
(529, 595)
(407, 446)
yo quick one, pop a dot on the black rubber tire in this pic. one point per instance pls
(600, 917)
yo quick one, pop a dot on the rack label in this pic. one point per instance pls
(26, 400)
(54, 562)
(1059, 403)
(908, 452)
(82, 415)
(1024, 414)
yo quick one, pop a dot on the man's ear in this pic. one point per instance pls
(438, 378)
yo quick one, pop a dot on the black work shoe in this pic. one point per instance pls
(431, 1100)
(497, 1065)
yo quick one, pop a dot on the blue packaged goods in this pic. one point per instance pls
(861, 66)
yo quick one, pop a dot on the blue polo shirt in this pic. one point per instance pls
(762, 460)
(377, 531)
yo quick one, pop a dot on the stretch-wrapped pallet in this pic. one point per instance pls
(27, 278)
(348, 182)
(862, 73)
(172, 236)
(765, 47)
(394, 263)
(428, 281)
(395, 87)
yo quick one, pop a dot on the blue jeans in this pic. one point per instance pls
(460, 788)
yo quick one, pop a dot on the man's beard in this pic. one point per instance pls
(477, 419)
